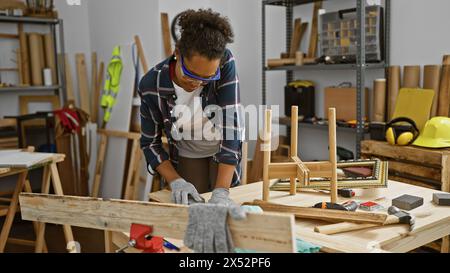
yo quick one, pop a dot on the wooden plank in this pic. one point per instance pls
(6, 228)
(416, 170)
(166, 34)
(109, 246)
(98, 89)
(302, 173)
(40, 228)
(445, 177)
(94, 104)
(445, 187)
(314, 30)
(266, 154)
(141, 53)
(57, 187)
(99, 165)
(35, 57)
(111, 133)
(24, 56)
(444, 90)
(431, 77)
(320, 214)
(296, 37)
(50, 56)
(257, 163)
(69, 79)
(282, 170)
(263, 232)
(83, 86)
(9, 36)
(163, 196)
(131, 167)
(410, 181)
(333, 154)
(303, 29)
(429, 157)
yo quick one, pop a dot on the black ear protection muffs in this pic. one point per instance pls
(401, 135)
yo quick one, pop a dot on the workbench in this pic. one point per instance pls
(50, 174)
(432, 222)
(414, 165)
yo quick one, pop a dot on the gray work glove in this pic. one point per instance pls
(184, 192)
(208, 231)
(221, 196)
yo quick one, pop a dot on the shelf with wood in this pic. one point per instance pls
(29, 20)
(289, 2)
(29, 88)
(294, 34)
(321, 67)
(287, 121)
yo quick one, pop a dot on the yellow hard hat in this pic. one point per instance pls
(436, 134)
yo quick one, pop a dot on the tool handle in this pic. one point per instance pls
(348, 226)
(342, 227)
(391, 220)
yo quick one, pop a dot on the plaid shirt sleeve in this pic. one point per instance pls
(228, 98)
(151, 123)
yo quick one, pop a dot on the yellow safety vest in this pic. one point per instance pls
(112, 83)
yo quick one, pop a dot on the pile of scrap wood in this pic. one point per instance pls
(295, 57)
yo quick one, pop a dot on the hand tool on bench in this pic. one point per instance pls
(396, 216)
(321, 214)
(347, 206)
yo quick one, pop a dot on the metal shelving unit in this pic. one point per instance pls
(56, 27)
(361, 66)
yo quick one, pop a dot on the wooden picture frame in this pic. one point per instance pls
(378, 179)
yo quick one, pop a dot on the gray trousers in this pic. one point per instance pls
(201, 172)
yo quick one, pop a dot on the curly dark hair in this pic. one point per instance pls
(204, 32)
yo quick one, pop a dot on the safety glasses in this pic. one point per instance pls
(188, 74)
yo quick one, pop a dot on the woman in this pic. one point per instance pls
(199, 75)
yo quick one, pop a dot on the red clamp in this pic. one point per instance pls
(140, 237)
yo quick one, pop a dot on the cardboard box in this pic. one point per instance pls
(344, 100)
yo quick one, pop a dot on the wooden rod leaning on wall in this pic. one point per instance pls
(394, 83)
(69, 79)
(266, 153)
(444, 90)
(165, 29)
(95, 100)
(141, 53)
(24, 56)
(379, 100)
(83, 85)
(104, 135)
(411, 76)
(431, 77)
(333, 153)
